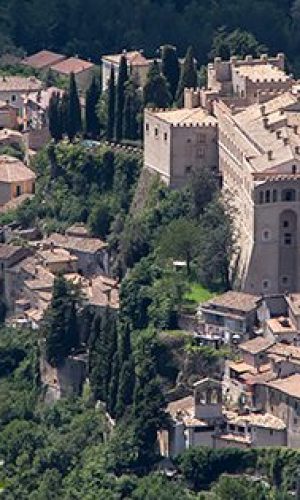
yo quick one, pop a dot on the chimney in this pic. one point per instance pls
(265, 122)
(270, 155)
(263, 110)
(51, 246)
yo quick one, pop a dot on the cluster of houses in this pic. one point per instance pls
(27, 275)
(24, 101)
(257, 401)
(28, 272)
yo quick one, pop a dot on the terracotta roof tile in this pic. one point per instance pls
(42, 59)
(14, 170)
(19, 84)
(72, 65)
(254, 346)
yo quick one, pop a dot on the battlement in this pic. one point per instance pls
(195, 125)
(277, 61)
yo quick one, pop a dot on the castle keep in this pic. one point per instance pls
(245, 125)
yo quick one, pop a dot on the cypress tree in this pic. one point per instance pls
(92, 125)
(120, 98)
(54, 117)
(170, 67)
(188, 77)
(110, 126)
(113, 385)
(125, 388)
(63, 112)
(74, 124)
(132, 108)
(147, 410)
(156, 91)
(61, 323)
(124, 343)
(103, 346)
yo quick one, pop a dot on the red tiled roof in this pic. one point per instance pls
(14, 170)
(42, 59)
(72, 65)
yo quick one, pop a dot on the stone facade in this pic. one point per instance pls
(178, 143)
(245, 127)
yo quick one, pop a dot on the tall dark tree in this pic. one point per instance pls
(170, 67)
(103, 345)
(132, 110)
(60, 323)
(54, 116)
(125, 388)
(188, 78)
(64, 112)
(113, 385)
(156, 92)
(111, 105)
(92, 124)
(74, 125)
(148, 414)
(120, 97)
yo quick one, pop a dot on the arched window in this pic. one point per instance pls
(268, 196)
(274, 195)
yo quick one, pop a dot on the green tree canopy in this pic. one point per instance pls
(238, 42)
(60, 324)
(180, 240)
(170, 67)
(92, 125)
(74, 125)
(188, 78)
(120, 97)
(156, 92)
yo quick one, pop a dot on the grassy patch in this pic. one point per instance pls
(175, 333)
(198, 293)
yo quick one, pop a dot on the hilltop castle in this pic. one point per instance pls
(245, 125)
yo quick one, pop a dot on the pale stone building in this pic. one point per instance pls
(282, 398)
(246, 125)
(231, 315)
(83, 71)
(15, 179)
(179, 142)
(137, 64)
(202, 420)
(14, 89)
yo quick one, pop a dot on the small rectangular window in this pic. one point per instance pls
(156, 132)
(165, 136)
(268, 196)
(287, 239)
(147, 127)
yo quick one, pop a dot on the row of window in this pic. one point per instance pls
(266, 284)
(287, 238)
(273, 195)
(200, 138)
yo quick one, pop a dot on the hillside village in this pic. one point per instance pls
(241, 131)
